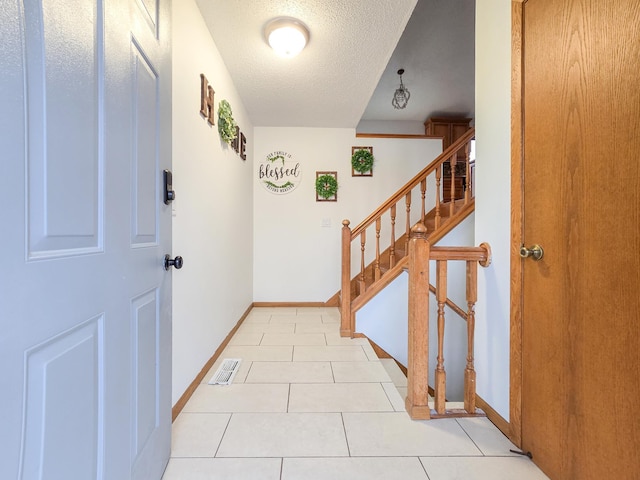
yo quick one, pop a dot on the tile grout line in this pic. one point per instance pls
(424, 468)
(248, 372)
(226, 427)
(288, 398)
(387, 395)
(346, 438)
(472, 440)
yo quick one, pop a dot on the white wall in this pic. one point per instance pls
(493, 113)
(385, 318)
(398, 127)
(213, 220)
(296, 259)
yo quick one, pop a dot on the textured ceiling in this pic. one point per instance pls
(352, 50)
(437, 52)
(330, 83)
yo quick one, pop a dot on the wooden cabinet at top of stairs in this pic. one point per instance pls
(450, 129)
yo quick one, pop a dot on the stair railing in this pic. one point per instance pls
(379, 265)
(420, 254)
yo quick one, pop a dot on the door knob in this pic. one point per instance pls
(172, 262)
(536, 252)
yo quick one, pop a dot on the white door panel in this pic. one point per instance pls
(63, 92)
(85, 301)
(64, 371)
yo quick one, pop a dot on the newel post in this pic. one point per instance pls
(417, 401)
(346, 329)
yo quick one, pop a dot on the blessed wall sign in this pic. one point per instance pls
(279, 173)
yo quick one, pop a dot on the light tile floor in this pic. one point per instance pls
(307, 404)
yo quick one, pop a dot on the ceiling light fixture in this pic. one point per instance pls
(286, 35)
(401, 96)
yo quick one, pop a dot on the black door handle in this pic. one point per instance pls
(172, 262)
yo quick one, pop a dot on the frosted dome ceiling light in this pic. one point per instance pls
(287, 36)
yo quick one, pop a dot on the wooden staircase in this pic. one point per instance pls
(371, 286)
(413, 250)
(381, 263)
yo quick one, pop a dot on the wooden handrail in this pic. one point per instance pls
(411, 184)
(481, 254)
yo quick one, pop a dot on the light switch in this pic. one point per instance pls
(326, 222)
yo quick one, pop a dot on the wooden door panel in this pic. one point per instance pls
(581, 325)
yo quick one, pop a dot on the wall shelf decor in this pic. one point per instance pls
(326, 186)
(362, 161)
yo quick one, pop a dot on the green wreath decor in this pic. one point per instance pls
(326, 186)
(226, 123)
(362, 160)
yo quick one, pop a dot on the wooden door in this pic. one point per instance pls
(581, 301)
(85, 301)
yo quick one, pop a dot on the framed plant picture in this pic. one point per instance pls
(326, 186)
(362, 161)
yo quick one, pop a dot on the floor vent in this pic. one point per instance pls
(225, 373)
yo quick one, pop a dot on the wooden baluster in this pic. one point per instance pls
(345, 294)
(376, 270)
(392, 247)
(453, 161)
(407, 201)
(363, 241)
(423, 194)
(417, 401)
(467, 175)
(441, 375)
(469, 372)
(438, 178)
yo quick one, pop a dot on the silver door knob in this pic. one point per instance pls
(536, 252)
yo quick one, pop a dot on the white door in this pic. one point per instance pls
(85, 303)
